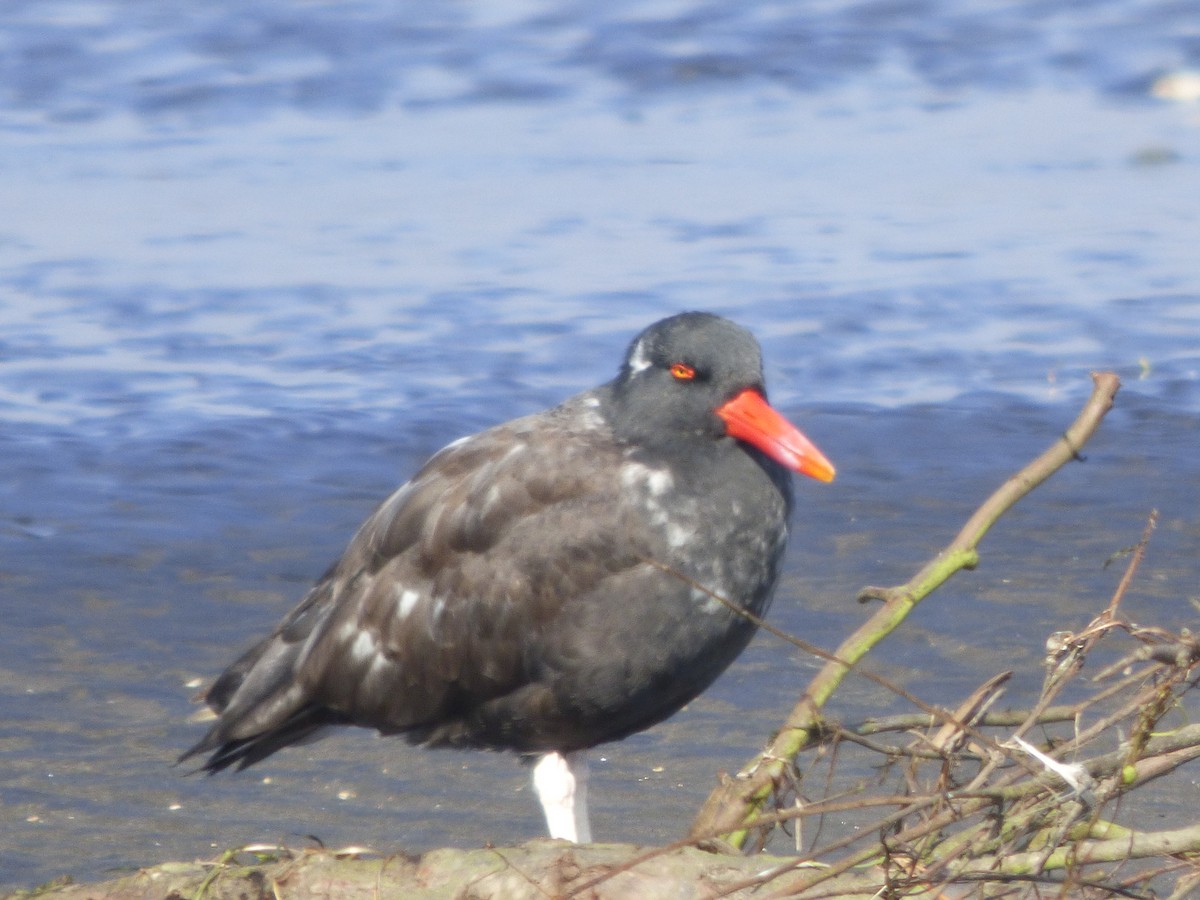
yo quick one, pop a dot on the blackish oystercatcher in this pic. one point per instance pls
(548, 584)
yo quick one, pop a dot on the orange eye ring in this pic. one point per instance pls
(682, 371)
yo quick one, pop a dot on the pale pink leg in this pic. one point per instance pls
(561, 784)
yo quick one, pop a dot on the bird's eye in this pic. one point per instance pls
(682, 372)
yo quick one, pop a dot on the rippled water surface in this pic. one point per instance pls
(259, 259)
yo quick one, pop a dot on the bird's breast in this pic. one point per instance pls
(722, 534)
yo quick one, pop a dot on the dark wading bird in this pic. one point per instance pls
(548, 584)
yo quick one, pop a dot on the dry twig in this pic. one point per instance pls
(733, 808)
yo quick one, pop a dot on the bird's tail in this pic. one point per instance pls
(302, 727)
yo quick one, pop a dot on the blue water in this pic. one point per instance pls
(257, 260)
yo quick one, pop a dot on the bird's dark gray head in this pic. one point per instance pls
(721, 353)
(697, 375)
(678, 371)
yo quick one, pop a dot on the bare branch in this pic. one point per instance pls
(733, 807)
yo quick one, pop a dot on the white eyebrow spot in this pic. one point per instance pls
(406, 599)
(638, 360)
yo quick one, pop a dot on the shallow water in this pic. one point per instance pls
(258, 260)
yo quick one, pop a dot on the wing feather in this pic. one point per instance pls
(429, 611)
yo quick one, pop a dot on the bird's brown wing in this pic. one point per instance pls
(439, 598)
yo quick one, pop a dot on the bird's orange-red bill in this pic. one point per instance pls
(748, 417)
